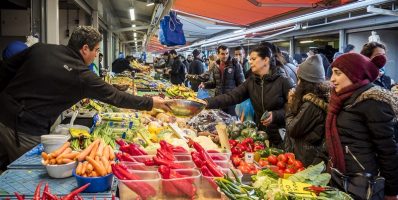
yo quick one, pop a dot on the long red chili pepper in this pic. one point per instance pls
(209, 161)
(168, 187)
(50, 196)
(121, 142)
(36, 195)
(169, 164)
(19, 196)
(72, 195)
(43, 197)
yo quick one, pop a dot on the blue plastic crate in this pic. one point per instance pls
(25, 182)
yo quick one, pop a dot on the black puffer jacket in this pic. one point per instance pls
(306, 131)
(268, 93)
(232, 78)
(177, 73)
(365, 126)
(196, 68)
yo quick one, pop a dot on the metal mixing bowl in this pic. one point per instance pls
(185, 108)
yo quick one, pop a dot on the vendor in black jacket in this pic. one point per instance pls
(39, 83)
(267, 89)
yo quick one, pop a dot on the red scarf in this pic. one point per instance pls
(337, 100)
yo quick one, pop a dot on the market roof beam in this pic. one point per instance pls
(381, 11)
(130, 29)
(289, 5)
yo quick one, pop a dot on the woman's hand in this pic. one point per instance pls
(267, 121)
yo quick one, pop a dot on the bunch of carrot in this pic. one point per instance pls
(95, 160)
(62, 155)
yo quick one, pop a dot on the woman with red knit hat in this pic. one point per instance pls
(359, 123)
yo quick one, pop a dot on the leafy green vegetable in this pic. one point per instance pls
(312, 175)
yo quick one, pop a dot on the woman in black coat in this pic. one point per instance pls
(305, 118)
(268, 89)
(359, 124)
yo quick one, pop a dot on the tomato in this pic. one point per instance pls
(251, 166)
(281, 165)
(290, 161)
(253, 171)
(236, 161)
(282, 158)
(280, 172)
(290, 156)
(244, 169)
(300, 169)
(289, 171)
(263, 163)
(272, 159)
(298, 164)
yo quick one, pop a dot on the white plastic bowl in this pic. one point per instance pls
(61, 171)
(53, 142)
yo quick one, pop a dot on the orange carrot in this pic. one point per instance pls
(100, 148)
(66, 160)
(105, 162)
(97, 166)
(71, 155)
(79, 168)
(109, 170)
(111, 153)
(89, 168)
(61, 149)
(86, 151)
(84, 167)
(53, 161)
(44, 155)
(66, 151)
(94, 150)
(106, 152)
(93, 174)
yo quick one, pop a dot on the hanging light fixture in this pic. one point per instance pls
(132, 14)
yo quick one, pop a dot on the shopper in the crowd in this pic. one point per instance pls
(240, 55)
(347, 49)
(371, 50)
(190, 58)
(13, 48)
(225, 76)
(101, 67)
(280, 61)
(177, 71)
(306, 113)
(39, 83)
(325, 60)
(122, 64)
(394, 89)
(359, 123)
(289, 65)
(196, 68)
(267, 89)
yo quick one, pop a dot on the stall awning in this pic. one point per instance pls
(240, 12)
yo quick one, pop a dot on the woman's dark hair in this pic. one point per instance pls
(367, 49)
(84, 35)
(321, 90)
(263, 52)
(280, 61)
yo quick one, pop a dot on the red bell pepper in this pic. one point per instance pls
(144, 190)
(233, 142)
(71, 196)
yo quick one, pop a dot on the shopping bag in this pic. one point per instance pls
(245, 111)
(171, 30)
(202, 94)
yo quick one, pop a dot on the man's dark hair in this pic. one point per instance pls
(368, 48)
(174, 52)
(83, 35)
(223, 47)
(239, 48)
(100, 54)
(166, 53)
(348, 48)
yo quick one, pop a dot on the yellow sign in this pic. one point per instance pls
(295, 188)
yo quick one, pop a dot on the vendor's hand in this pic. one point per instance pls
(391, 197)
(160, 103)
(268, 121)
(201, 86)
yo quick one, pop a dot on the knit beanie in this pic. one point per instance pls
(358, 67)
(312, 69)
(13, 48)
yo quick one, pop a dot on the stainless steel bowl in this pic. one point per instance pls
(185, 108)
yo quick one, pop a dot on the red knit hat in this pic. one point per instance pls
(358, 67)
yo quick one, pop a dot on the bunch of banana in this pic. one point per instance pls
(181, 91)
(137, 65)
